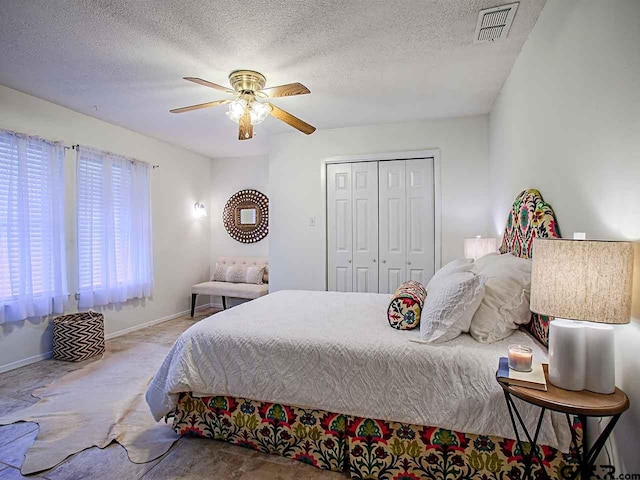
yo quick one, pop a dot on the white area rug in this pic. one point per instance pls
(95, 405)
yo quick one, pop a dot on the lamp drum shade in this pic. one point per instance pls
(479, 247)
(582, 280)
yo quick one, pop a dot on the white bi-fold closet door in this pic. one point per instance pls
(352, 216)
(380, 224)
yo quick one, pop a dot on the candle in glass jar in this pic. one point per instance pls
(520, 358)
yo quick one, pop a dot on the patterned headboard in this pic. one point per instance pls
(530, 217)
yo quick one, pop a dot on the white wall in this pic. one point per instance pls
(295, 168)
(180, 242)
(229, 175)
(567, 122)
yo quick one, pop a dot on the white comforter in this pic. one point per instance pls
(336, 352)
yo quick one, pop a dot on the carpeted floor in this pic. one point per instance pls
(188, 458)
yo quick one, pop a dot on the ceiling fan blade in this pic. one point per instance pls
(245, 130)
(295, 122)
(199, 106)
(285, 90)
(200, 81)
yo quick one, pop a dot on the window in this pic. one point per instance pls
(114, 229)
(33, 276)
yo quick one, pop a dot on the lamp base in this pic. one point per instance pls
(567, 347)
(601, 358)
(582, 356)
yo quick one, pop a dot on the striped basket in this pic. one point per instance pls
(78, 336)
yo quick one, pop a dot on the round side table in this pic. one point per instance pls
(582, 404)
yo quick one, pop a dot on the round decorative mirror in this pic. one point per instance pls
(246, 216)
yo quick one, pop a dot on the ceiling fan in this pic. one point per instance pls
(247, 108)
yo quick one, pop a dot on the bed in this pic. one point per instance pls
(320, 377)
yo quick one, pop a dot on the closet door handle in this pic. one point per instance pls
(408, 263)
(348, 261)
(373, 260)
(384, 261)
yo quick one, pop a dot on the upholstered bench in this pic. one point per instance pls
(234, 290)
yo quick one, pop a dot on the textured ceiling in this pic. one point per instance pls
(365, 61)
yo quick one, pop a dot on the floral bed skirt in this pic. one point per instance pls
(366, 448)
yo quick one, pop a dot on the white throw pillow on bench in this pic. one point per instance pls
(238, 274)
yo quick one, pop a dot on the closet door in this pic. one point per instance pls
(339, 227)
(365, 226)
(420, 220)
(392, 219)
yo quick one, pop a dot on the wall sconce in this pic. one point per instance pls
(199, 210)
(479, 247)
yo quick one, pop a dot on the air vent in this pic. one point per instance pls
(494, 23)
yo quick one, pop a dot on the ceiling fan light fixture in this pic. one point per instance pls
(236, 109)
(258, 111)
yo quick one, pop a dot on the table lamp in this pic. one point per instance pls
(479, 247)
(581, 281)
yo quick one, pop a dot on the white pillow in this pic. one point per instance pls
(460, 265)
(449, 307)
(238, 274)
(505, 305)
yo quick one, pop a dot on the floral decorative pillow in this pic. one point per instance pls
(406, 304)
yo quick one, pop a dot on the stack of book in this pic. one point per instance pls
(534, 379)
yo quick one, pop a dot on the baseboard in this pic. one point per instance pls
(25, 361)
(43, 356)
(150, 323)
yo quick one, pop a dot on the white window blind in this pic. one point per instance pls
(114, 229)
(33, 276)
